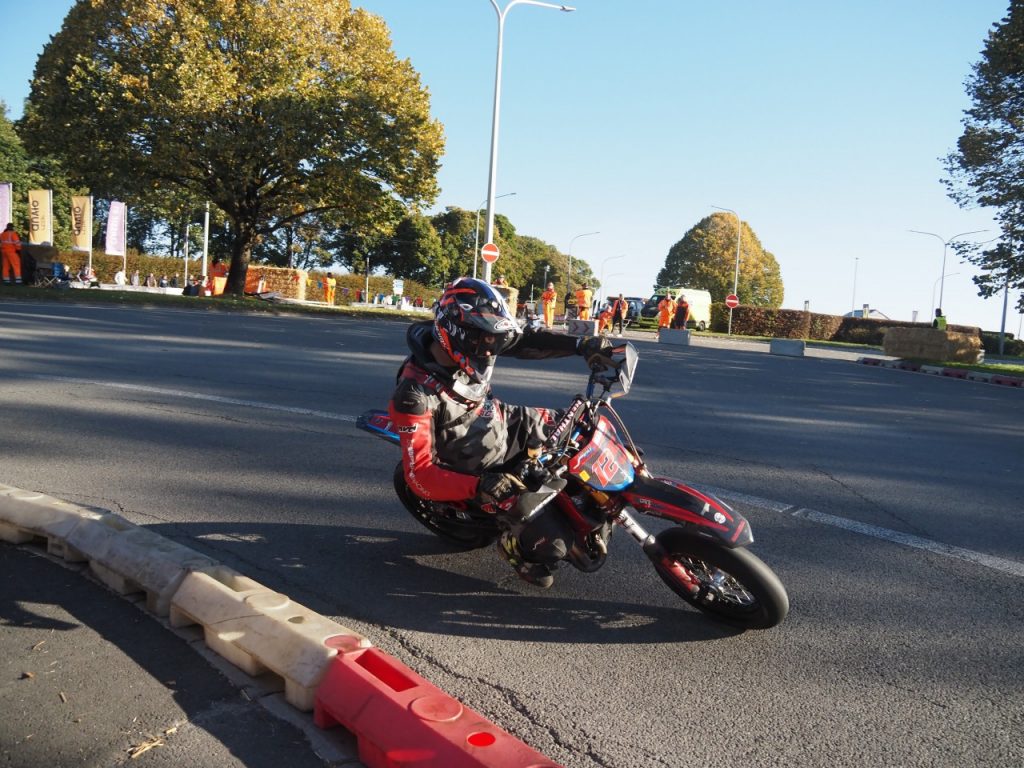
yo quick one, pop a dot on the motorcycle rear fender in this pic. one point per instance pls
(378, 423)
(700, 512)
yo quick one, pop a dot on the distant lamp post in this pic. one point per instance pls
(945, 247)
(492, 179)
(853, 301)
(476, 240)
(603, 263)
(568, 277)
(936, 285)
(736, 275)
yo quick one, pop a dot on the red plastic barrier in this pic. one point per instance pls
(1010, 381)
(956, 373)
(402, 721)
(870, 361)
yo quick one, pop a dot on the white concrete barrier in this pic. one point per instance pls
(128, 558)
(257, 629)
(789, 347)
(582, 327)
(27, 515)
(677, 336)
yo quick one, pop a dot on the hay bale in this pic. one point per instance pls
(933, 345)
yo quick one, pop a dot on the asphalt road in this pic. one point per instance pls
(888, 502)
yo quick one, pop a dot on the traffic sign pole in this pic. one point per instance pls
(489, 253)
(731, 301)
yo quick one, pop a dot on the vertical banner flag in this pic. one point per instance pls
(5, 203)
(40, 216)
(116, 223)
(81, 223)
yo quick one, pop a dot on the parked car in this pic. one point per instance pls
(699, 300)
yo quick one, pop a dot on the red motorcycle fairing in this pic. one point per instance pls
(602, 462)
(669, 499)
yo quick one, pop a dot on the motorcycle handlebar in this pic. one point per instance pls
(566, 422)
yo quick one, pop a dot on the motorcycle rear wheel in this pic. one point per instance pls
(439, 519)
(736, 586)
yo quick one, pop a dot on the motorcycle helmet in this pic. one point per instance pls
(473, 325)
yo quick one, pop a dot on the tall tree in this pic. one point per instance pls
(271, 109)
(414, 251)
(457, 230)
(26, 171)
(706, 258)
(987, 168)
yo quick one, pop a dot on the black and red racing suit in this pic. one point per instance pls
(449, 439)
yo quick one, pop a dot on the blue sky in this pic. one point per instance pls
(822, 124)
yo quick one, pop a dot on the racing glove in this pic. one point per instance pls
(496, 487)
(595, 349)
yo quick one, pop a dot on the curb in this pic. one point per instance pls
(398, 719)
(952, 373)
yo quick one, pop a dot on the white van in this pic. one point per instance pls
(698, 299)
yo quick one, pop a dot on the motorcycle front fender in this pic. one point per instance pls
(378, 423)
(701, 513)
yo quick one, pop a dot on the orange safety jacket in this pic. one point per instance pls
(10, 243)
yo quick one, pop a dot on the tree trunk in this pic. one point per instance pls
(241, 251)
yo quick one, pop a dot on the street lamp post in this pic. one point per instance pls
(945, 247)
(736, 275)
(603, 263)
(936, 285)
(568, 277)
(492, 178)
(853, 300)
(476, 240)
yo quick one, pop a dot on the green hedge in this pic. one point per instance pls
(1011, 346)
(796, 324)
(105, 266)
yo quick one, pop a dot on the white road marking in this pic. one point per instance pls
(1011, 567)
(1000, 564)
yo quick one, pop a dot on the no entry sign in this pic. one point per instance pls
(732, 301)
(489, 253)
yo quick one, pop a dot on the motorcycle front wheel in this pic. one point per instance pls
(442, 520)
(735, 586)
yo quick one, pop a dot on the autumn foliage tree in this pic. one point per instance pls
(706, 258)
(987, 168)
(273, 110)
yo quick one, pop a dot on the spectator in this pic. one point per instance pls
(584, 297)
(164, 282)
(88, 276)
(329, 287)
(10, 253)
(620, 307)
(940, 320)
(682, 315)
(549, 299)
(174, 281)
(666, 310)
(119, 278)
(135, 278)
(604, 318)
(151, 280)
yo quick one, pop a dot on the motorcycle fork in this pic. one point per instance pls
(654, 550)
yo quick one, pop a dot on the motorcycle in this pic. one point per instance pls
(592, 471)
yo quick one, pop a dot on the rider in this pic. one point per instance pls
(458, 441)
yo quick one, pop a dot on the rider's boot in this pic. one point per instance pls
(535, 573)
